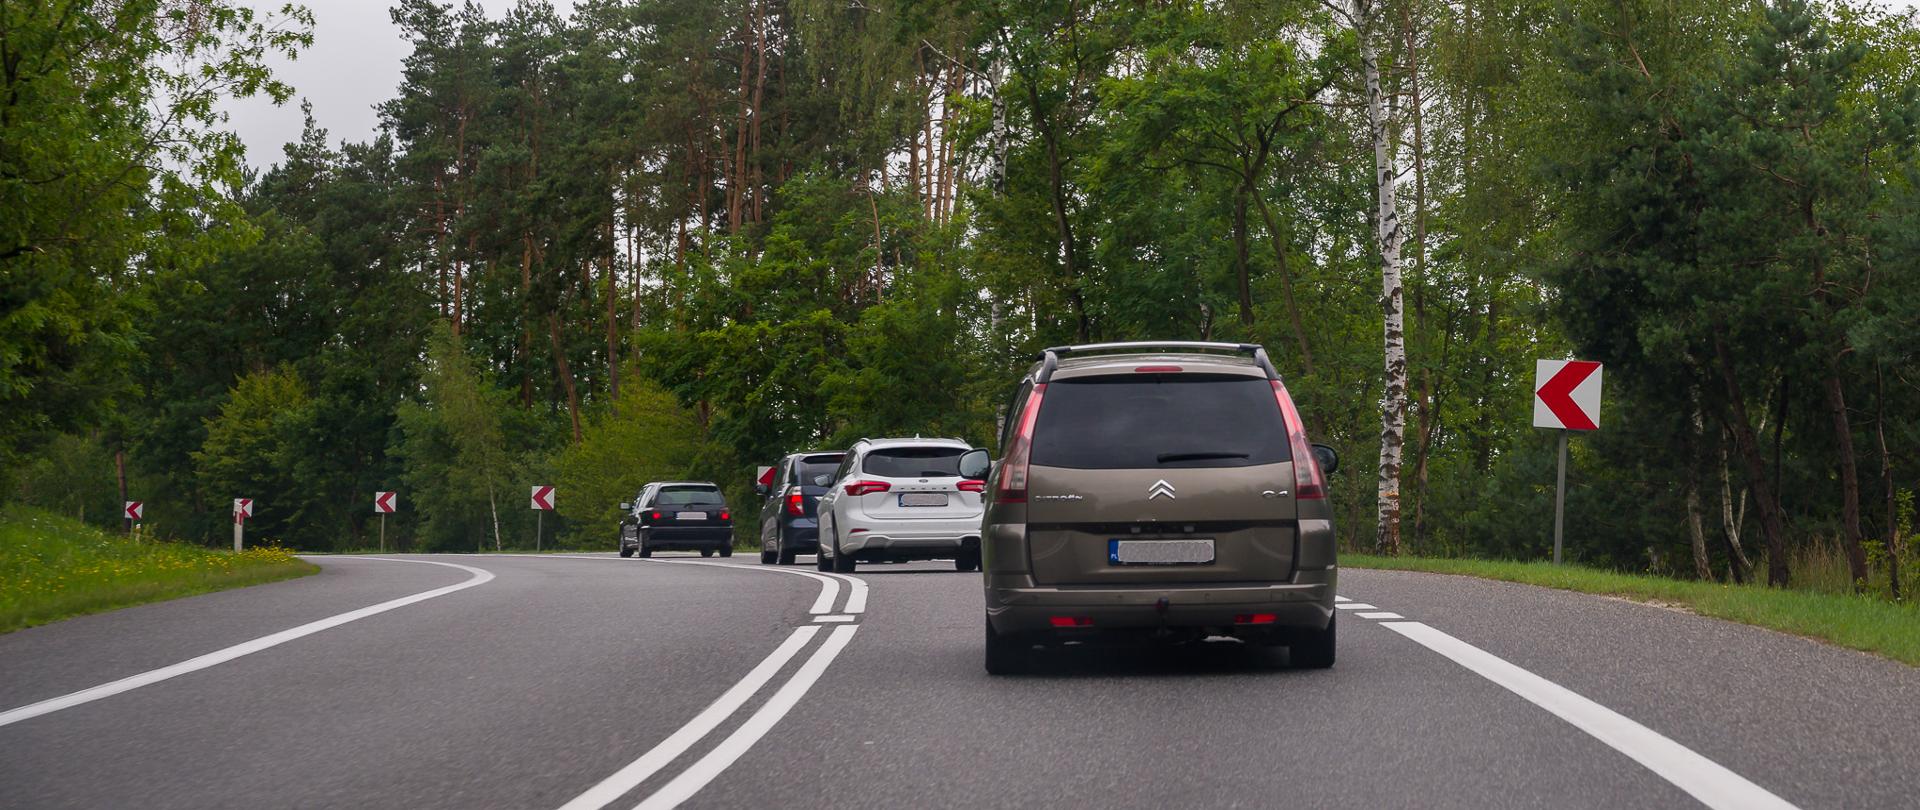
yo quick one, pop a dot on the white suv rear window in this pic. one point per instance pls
(914, 462)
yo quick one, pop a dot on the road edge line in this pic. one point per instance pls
(1709, 782)
(223, 655)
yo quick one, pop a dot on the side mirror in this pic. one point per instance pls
(975, 465)
(760, 489)
(625, 506)
(1328, 459)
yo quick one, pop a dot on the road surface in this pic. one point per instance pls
(586, 681)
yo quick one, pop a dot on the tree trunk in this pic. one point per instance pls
(1886, 479)
(120, 475)
(493, 507)
(1748, 447)
(566, 374)
(1849, 480)
(1702, 564)
(1286, 282)
(1393, 401)
(1732, 518)
(613, 323)
(1241, 277)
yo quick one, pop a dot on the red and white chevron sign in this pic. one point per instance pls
(135, 509)
(543, 498)
(1566, 394)
(383, 502)
(242, 508)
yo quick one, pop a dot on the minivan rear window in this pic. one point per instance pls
(1173, 421)
(688, 495)
(914, 462)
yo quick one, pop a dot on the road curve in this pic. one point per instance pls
(592, 681)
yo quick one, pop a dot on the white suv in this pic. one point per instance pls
(901, 499)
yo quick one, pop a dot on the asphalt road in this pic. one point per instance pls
(591, 681)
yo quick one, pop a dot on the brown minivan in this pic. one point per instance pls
(1156, 491)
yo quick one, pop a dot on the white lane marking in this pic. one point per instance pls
(703, 771)
(1702, 778)
(629, 777)
(1341, 599)
(11, 716)
(1381, 615)
(841, 618)
(1355, 606)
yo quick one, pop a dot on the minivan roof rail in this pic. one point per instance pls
(1050, 358)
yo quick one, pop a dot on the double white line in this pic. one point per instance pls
(717, 760)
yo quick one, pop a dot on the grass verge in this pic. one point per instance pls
(1865, 623)
(53, 567)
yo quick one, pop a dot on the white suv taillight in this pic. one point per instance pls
(1013, 469)
(1308, 483)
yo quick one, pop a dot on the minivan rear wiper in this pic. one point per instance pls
(1166, 457)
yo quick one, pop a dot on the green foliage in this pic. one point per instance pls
(251, 451)
(645, 436)
(460, 473)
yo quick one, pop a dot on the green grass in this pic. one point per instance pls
(54, 567)
(1866, 623)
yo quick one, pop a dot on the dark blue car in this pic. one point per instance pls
(792, 489)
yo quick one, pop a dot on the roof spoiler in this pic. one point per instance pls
(1050, 358)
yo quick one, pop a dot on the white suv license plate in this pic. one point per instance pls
(690, 516)
(923, 499)
(1198, 551)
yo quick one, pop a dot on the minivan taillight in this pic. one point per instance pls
(1308, 483)
(867, 487)
(793, 503)
(1012, 487)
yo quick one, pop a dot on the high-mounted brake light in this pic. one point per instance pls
(1013, 476)
(971, 486)
(1158, 369)
(1308, 482)
(794, 506)
(867, 487)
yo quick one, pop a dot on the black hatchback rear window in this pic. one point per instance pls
(689, 496)
(1141, 421)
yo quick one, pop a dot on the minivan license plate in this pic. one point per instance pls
(690, 516)
(923, 499)
(1198, 551)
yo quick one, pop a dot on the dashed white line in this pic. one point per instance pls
(630, 777)
(1381, 615)
(703, 771)
(834, 618)
(217, 657)
(1354, 606)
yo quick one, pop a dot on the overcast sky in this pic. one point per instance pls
(353, 65)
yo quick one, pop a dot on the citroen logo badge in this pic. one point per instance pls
(1160, 489)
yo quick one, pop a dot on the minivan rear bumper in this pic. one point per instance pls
(1306, 603)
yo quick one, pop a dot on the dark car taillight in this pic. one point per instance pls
(794, 505)
(1308, 483)
(724, 517)
(654, 516)
(1013, 475)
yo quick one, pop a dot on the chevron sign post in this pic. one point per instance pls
(1566, 397)
(542, 504)
(242, 509)
(383, 503)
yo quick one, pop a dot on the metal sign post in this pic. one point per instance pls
(383, 502)
(1566, 397)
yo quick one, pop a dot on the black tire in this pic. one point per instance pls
(626, 550)
(766, 557)
(822, 562)
(644, 551)
(706, 552)
(1007, 656)
(785, 556)
(726, 552)
(967, 561)
(1314, 649)
(844, 564)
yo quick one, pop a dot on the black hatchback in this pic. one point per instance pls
(677, 516)
(792, 489)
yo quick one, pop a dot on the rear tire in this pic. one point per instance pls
(967, 561)
(706, 552)
(726, 552)
(822, 562)
(1314, 649)
(626, 550)
(644, 551)
(766, 557)
(843, 564)
(1006, 656)
(785, 556)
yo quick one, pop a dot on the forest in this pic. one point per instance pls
(679, 238)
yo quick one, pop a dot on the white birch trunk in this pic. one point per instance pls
(1393, 400)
